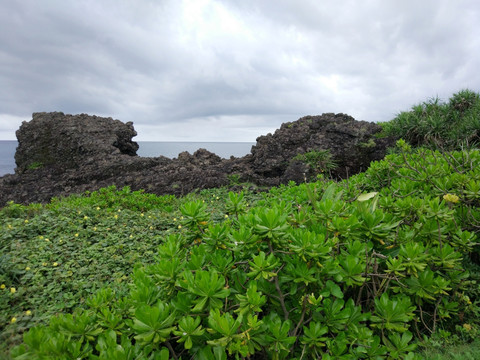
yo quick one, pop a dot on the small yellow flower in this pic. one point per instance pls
(28, 313)
(40, 237)
(27, 268)
(149, 217)
(131, 236)
(44, 264)
(47, 240)
(98, 208)
(119, 210)
(76, 235)
(60, 241)
(2, 286)
(179, 226)
(142, 214)
(467, 327)
(14, 320)
(451, 198)
(217, 198)
(13, 290)
(151, 227)
(94, 228)
(10, 226)
(85, 217)
(116, 216)
(174, 219)
(226, 216)
(26, 222)
(55, 264)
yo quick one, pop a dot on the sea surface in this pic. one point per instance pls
(147, 149)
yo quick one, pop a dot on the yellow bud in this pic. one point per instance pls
(28, 313)
(27, 268)
(14, 320)
(76, 235)
(98, 207)
(451, 198)
(13, 290)
(55, 264)
(26, 222)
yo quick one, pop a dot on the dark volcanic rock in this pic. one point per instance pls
(63, 154)
(69, 141)
(352, 143)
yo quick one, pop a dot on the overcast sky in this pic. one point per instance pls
(205, 70)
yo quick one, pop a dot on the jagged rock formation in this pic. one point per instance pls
(62, 154)
(352, 143)
(67, 141)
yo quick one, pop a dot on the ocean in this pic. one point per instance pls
(147, 149)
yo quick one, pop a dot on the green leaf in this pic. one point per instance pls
(368, 196)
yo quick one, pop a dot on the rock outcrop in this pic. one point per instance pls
(62, 154)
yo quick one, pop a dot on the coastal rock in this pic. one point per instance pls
(69, 141)
(60, 154)
(353, 145)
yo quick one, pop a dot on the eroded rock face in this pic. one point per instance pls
(62, 154)
(352, 143)
(68, 141)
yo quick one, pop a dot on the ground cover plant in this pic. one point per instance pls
(383, 265)
(368, 268)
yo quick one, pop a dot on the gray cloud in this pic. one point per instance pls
(205, 70)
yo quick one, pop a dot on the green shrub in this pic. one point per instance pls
(366, 268)
(319, 161)
(450, 125)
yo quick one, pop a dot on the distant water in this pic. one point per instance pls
(147, 149)
(7, 153)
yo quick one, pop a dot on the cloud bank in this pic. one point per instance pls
(205, 70)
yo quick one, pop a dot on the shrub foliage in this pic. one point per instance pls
(365, 268)
(448, 125)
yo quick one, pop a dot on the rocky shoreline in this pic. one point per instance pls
(61, 154)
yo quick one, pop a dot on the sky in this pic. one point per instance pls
(206, 70)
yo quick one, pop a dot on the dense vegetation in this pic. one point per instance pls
(383, 265)
(440, 125)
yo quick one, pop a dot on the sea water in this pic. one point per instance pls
(147, 149)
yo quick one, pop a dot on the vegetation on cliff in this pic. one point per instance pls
(381, 265)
